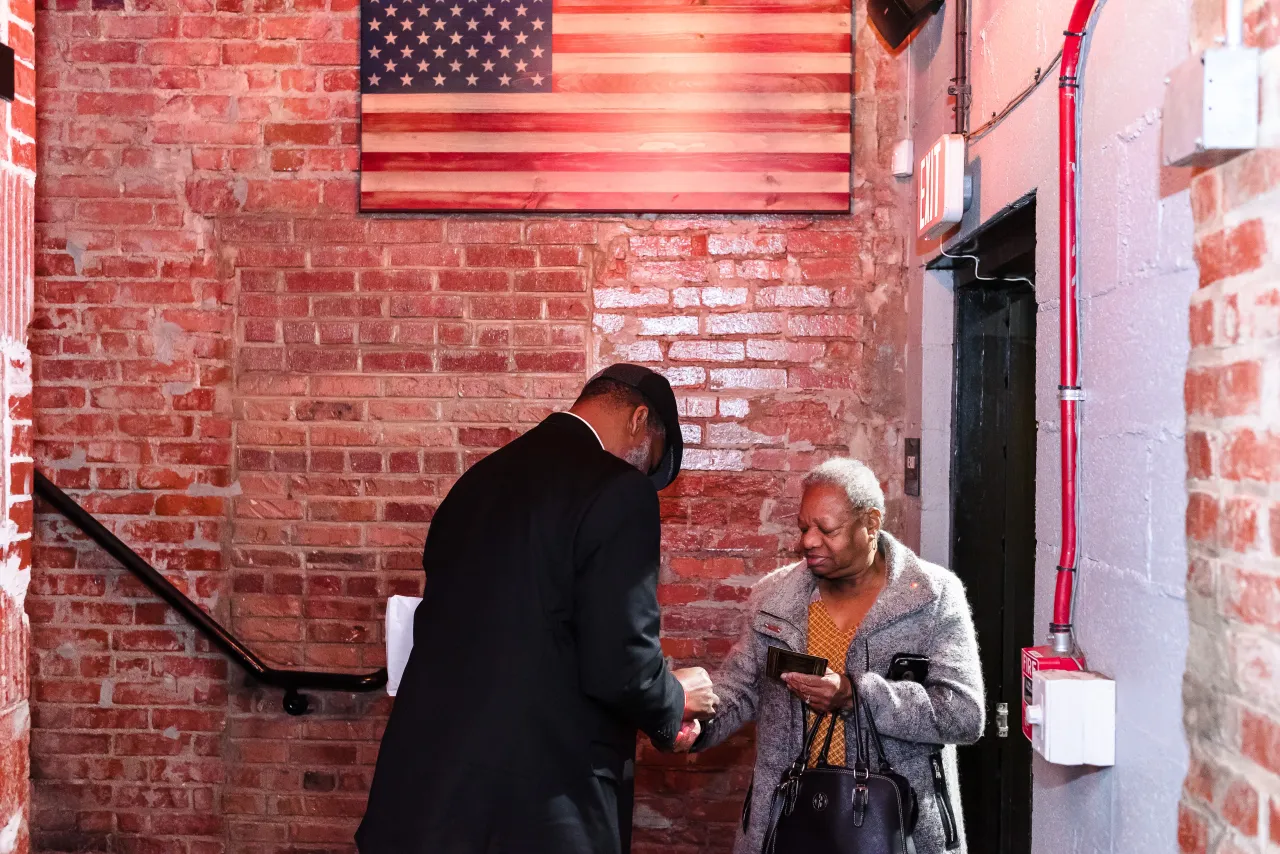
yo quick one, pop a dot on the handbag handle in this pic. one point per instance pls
(861, 762)
(861, 707)
(824, 756)
(802, 761)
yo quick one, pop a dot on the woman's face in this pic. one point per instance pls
(836, 541)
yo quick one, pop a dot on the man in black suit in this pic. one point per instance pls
(536, 655)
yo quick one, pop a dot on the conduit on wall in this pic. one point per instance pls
(1069, 393)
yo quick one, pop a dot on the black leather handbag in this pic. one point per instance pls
(828, 809)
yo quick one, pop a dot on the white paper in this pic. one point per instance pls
(399, 632)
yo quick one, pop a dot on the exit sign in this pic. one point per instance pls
(941, 192)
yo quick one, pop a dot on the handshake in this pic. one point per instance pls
(700, 702)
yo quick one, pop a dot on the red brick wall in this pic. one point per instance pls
(1231, 801)
(17, 212)
(267, 393)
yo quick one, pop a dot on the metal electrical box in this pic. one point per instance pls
(1211, 107)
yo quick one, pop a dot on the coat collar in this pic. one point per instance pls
(587, 424)
(567, 422)
(908, 589)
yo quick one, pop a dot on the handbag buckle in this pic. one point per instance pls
(861, 797)
(790, 794)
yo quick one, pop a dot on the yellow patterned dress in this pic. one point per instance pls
(826, 640)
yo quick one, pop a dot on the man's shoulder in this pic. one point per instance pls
(550, 460)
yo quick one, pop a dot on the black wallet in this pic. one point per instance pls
(782, 661)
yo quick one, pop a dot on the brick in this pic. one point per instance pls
(1240, 807)
(315, 281)
(1203, 514)
(669, 326)
(784, 351)
(484, 232)
(748, 378)
(826, 326)
(1260, 740)
(1249, 176)
(561, 231)
(550, 281)
(1254, 598)
(506, 308)
(1275, 529)
(1193, 832)
(723, 297)
(407, 231)
(746, 244)
(1201, 322)
(427, 306)
(639, 351)
(706, 351)
(1206, 196)
(1240, 524)
(1199, 456)
(816, 242)
(1252, 456)
(1231, 251)
(661, 246)
(1222, 391)
(625, 298)
(717, 568)
(396, 281)
(746, 324)
(499, 255)
(474, 280)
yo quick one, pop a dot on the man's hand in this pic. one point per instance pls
(822, 693)
(688, 735)
(699, 697)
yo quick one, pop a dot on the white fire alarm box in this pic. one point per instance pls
(1072, 717)
(941, 189)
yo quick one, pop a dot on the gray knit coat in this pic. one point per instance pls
(923, 610)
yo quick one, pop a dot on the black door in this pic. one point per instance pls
(993, 525)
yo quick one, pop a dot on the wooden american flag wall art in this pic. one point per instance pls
(726, 106)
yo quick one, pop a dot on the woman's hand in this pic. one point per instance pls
(823, 694)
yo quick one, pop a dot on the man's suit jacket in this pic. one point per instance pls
(535, 659)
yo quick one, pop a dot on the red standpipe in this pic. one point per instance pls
(1069, 355)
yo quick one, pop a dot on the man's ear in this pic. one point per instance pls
(639, 420)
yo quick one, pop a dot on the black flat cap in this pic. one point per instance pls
(662, 400)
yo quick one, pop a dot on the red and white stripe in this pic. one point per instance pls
(729, 105)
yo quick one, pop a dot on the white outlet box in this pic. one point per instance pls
(1073, 717)
(1211, 107)
(904, 158)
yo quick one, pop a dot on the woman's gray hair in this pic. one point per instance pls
(852, 476)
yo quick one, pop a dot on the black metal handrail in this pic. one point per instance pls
(292, 681)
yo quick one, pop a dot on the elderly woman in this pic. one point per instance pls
(858, 599)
